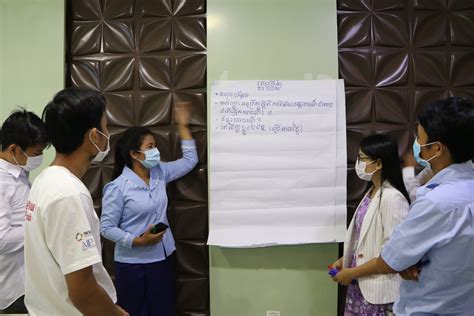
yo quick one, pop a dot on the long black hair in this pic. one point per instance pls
(385, 148)
(131, 140)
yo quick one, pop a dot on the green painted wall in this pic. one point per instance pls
(31, 56)
(272, 39)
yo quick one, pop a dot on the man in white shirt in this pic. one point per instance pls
(63, 264)
(23, 138)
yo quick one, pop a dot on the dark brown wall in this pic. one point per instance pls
(396, 56)
(144, 55)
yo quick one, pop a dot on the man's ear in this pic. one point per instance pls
(440, 148)
(13, 149)
(92, 133)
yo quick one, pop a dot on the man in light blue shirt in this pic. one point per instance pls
(439, 234)
(433, 248)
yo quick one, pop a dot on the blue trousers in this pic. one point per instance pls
(147, 289)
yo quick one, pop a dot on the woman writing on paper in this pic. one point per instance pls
(132, 206)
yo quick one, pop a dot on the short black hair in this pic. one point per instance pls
(25, 129)
(451, 122)
(70, 115)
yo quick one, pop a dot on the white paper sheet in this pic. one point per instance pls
(277, 162)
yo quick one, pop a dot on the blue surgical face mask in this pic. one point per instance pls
(416, 152)
(152, 158)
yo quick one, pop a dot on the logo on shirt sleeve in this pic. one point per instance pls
(86, 239)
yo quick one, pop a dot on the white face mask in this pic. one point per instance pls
(360, 170)
(101, 154)
(31, 162)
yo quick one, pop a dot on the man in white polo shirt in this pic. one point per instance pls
(63, 265)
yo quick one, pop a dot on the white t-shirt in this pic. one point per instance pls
(62, 235)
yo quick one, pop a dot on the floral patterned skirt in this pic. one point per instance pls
(356, 305)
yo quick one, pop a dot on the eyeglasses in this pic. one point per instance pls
(364, 158)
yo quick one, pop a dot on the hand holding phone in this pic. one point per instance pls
(158, 228)
(153, 235)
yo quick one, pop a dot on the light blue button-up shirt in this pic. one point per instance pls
(129, 206)
(439, 233)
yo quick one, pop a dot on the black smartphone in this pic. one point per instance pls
(158, 228)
